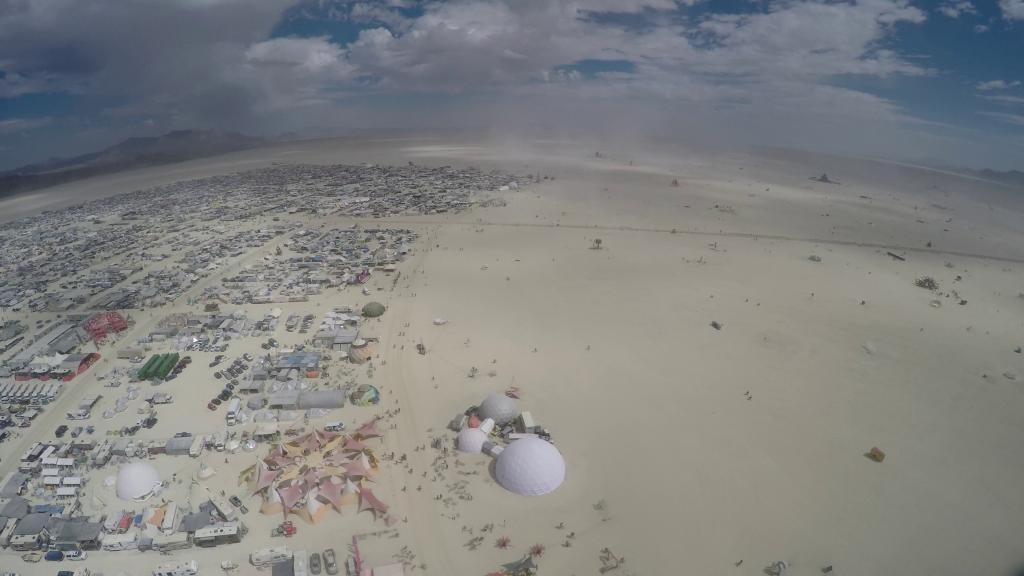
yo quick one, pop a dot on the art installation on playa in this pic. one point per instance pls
(529, 464)
(320, 471)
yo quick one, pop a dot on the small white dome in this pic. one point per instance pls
(530, 466)
(471, 440)
(137, 481)
(499, 408)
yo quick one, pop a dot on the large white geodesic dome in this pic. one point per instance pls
(136, 481)
(499, 408)
(530, 466)
(471, 440)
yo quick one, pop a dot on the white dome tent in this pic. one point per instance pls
(499, 408)
(472, 440)
(137, 481)
(530, 467)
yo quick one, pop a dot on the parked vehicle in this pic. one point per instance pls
(314, 563)
(76, 555)
(61, 430)
(236, 501)
(190, 568)
(286, 529)
(330, 562)
(268, 556)
(54, 556)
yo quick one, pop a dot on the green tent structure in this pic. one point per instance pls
(365, 395)
(373, 310)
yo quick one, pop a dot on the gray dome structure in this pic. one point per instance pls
(499, 408)
(471, 440)
(530, 467)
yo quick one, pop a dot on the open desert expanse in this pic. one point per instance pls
(714, 341)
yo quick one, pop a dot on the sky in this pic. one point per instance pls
(936, 81)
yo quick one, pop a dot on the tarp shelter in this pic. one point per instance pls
(32, 524)
(178, 446)
(12, 484)
(369, 501)
(321, 399)
(16, 507)
(192, 522)
(74, 534)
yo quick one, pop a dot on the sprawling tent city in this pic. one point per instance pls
(511, 287)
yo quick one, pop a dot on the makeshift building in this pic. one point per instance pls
(321, 399)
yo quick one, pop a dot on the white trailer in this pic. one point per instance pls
(88, 402)
(8, 530)
(300, 563)
(170, 518)
(224, 508)
(267, 556)
(232, 414)
(190, 568)
(197, 446)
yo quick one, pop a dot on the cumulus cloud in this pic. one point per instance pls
(311, 54)
(997, 85)
(16, 125)
(955, 8)
(1012, 9)
(214, 62)
(1015, 119)
(1004, 98)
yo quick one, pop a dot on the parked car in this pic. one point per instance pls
(76, 432)
(314, 563)
(330, 563)
(76, 555)
(54, 556)
(60, 431)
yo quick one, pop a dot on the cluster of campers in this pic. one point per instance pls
(169, 527)
(32, 393)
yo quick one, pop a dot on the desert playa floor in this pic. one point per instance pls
(711, 447)
(700, 450)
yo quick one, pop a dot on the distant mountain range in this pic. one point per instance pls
(176, 146)
(1013, 178)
